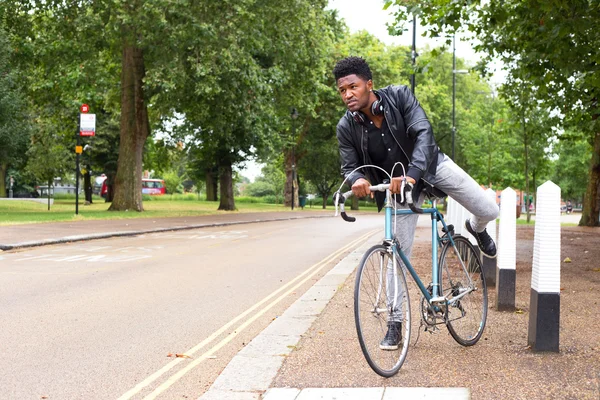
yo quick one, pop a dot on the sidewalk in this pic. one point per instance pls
(32, 235)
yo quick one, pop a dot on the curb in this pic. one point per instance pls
(80, 238)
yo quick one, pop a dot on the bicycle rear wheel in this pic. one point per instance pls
(463, 284)
(373, 309)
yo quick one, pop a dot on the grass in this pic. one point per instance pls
(63, 209)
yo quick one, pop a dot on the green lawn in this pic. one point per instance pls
(25, 212)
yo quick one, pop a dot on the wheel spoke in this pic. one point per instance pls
(460, 271)
(372, 311)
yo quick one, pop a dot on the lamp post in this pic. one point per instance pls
(294, 116)
(454, 72)
(414, 54)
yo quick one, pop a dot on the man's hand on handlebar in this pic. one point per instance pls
(360, 188)
(396, 184)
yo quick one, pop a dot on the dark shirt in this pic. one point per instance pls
(384, 151)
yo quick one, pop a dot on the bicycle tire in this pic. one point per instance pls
(371, 311)
(466, 317)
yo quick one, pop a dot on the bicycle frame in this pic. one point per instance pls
(435, 241)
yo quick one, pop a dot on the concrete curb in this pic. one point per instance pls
(250, 373)
(79, 238)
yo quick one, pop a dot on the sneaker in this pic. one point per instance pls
(484, 241)
(393, 337)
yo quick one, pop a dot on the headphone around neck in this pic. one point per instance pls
(376, 109)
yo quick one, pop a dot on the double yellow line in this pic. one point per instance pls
(295, 283)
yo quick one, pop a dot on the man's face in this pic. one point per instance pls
(355, 92)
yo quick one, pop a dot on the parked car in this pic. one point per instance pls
(153, 186)
(149, 186)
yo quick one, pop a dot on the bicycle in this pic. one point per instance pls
(456, 296)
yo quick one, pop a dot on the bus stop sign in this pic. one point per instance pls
(87, 125)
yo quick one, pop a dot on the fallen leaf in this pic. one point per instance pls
(43, 397)
(178, 355)
(567, 260)
(596, 270)
(519, 311)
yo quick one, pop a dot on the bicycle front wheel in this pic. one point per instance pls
(380, 299)
(463, 285)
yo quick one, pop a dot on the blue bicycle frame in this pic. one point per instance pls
(435, 240)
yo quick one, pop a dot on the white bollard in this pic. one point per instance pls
(451, 215)
(489, 264)
(506, 273)
(544, 304)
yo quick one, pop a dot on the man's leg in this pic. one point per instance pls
(405, 226)
(461, 187)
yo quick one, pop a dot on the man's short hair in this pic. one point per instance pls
(352, 66)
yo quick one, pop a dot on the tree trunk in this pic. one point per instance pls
(324, 202)
(211, 186)
(591, 203)
(290, 180)
(226, 180)
(134, 132)
(3, 169)
(87, 185)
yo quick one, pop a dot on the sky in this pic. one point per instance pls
(369, 15)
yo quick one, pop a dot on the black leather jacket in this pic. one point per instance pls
(411, 130)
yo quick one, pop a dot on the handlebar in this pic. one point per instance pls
(405, 198)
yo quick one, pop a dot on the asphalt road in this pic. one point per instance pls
(98, 319)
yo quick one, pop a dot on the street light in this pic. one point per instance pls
(414, 54)
(454, 72)
(294, 116)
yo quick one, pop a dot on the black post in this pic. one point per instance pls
(414, 54)
(77, 170)
(453, 92)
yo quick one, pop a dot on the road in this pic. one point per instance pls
(99, 319)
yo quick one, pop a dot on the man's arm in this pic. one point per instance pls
(419, 130)
(349, 157)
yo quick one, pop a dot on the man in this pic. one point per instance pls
(382, 127)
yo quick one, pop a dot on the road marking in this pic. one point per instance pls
(308, 274)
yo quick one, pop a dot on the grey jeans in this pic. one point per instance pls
(461, 187)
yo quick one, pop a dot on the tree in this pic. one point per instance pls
(273, 175)
(574, 153)
(321, 166)
(255, 61)
(544, 44)
(134, 49)
(48, 158)
(14, 120)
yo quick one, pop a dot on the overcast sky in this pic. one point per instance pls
(370, 16)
